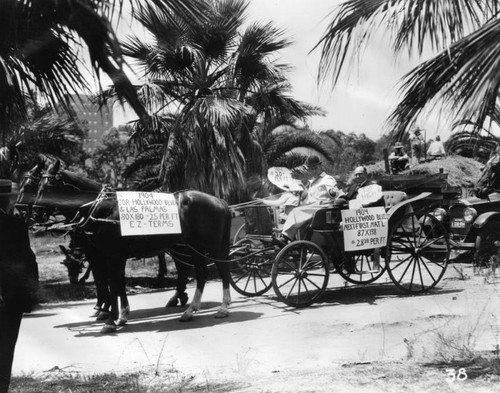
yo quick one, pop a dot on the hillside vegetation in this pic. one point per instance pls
(462, 171)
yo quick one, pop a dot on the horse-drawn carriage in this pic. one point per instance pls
(414, 253)
(413, 246)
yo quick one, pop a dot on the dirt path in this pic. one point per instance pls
(263, 342)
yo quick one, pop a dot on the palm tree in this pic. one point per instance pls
(221, 83)
(40, 43)
(464, 74)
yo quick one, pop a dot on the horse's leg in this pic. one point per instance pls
(180, 294)
(116, 281)
(103, 301)
(86, 276)
(224, 273)
(200, 267)
(222, 254)
(124, 304)
(162, 269)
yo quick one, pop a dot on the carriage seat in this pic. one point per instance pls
(392, 198)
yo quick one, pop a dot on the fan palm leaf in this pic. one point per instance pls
(464, 33)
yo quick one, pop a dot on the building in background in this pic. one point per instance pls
(96, 119)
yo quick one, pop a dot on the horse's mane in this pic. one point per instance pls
(79, 181)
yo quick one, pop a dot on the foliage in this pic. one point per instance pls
(109, 159)
(464, 74)
(50, 133)
(349, 150)
(224, 88)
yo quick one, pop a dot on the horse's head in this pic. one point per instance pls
(64, 191)
(74, 262)
(28, 190)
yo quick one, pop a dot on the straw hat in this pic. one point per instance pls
(398, 145)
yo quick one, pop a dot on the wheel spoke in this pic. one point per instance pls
(293, 286)
(404, 272)
(401, 262)
(313, 283)
(428, 270)
(413, 274)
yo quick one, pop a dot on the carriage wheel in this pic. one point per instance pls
(300, 273)
(251, 274)
(417, 253)
(360, 268)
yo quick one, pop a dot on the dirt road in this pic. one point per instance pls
(262, 337)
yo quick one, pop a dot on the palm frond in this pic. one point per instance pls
(411, 23)
(466, 78)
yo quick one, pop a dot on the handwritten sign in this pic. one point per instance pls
(148, 213)
(369, 194)
(364, 228)
(282, 177)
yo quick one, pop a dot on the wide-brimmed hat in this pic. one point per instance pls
(312, 161)
(398, 145)
(6, 187)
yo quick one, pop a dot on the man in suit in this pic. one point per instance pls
(18, 280)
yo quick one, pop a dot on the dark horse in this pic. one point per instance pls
(490, 177)
(73, 261)
(205, 223)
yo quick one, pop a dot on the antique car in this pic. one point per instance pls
(474, 227)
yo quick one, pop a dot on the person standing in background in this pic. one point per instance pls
(436, 149)
(417, 147)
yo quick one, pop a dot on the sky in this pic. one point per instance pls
(365, 95)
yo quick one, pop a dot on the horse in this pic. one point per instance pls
(490, 180)
(81, 192)
(205, 230)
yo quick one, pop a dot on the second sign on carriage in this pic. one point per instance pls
(364, 228)
(148, 213)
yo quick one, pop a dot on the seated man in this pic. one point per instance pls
(398, 159)
(321, 190)
(360, 180)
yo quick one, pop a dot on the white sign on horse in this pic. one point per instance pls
(148, 213)
(364, 228)
(282, 178)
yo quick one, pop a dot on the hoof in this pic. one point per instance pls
(172, 302)
(102, 316)
(108, 328)
(186, 317)
(222, 314)
(183, 299)
(122, 322)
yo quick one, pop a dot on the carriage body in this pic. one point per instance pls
(415, 255)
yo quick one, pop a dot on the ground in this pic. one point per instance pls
(356, 339)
